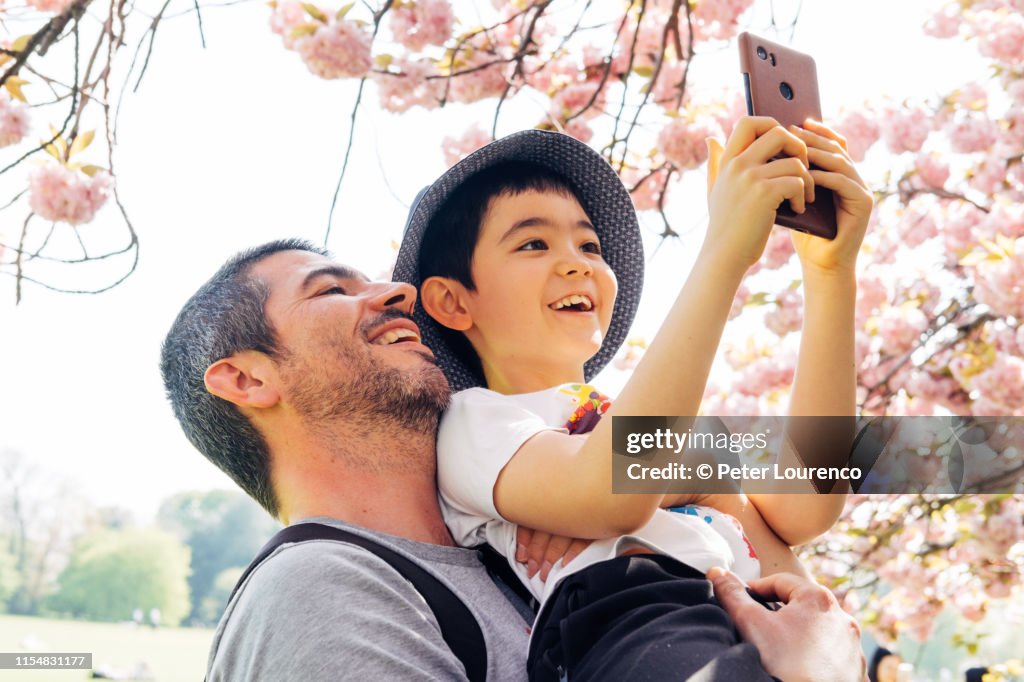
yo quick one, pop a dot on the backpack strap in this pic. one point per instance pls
(459, 628)
(498, 567)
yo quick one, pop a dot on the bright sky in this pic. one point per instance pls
(238, 144)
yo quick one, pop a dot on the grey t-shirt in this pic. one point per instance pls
(326, 610)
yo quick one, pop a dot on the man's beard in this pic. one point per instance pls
(379, 397)
(366, 400)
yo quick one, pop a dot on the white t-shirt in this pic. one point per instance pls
(480, 433)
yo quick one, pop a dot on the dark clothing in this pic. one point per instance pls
(639, 617)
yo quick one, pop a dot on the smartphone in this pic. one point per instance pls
(783, 83)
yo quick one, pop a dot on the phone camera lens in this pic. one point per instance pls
(762, 53)
(786, 90)
(771, 58)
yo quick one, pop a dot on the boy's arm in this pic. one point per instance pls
(563, 484)
(825, 382)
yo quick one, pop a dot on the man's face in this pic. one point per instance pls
(349, 349)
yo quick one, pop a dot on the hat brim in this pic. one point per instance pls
(605, 200)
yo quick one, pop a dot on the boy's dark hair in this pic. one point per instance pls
(449, 241)
(224, 317)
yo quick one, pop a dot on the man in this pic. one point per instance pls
(308, 385)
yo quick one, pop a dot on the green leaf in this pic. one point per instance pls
(92, 170)
(314, 11)
(81, 142)
(303, 30)
(344, 10)
(13, 85)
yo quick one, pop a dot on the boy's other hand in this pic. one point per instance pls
(809, 638)
(540, 551)
(827, 150)
(746, 185)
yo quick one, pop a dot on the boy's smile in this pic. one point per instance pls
(544, 295)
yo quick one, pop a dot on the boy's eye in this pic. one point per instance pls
(591, 247)
(534, 245)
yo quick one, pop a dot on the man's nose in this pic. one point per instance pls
(399, 295)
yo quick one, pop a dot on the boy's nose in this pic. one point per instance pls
(574, 267)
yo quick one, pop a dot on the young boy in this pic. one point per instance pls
(528, 257)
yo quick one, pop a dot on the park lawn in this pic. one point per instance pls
(173, 654)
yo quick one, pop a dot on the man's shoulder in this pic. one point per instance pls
(330, 602)
(324, 568)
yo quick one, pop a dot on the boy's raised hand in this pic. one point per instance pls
(827, 150)
(746, 184)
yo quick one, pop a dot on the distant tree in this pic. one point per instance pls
(9, 578)
(223, 529)
(216, 599)
(41, 516)
(113, 572)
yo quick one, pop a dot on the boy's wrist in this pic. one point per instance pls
(723, 261)
(841, 275)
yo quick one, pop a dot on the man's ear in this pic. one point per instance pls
(247, 379)
(444, 300)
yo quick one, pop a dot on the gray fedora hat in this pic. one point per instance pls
(605, 200)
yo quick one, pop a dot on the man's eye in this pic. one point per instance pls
(534, 245)
(592, 247)
(332, 290)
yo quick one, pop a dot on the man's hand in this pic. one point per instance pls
(809, 638)
(540, 551)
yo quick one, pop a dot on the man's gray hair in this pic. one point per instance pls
(226, 316)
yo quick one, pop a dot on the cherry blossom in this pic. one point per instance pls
(418, 23)
(59, 193)
(13, 121)
(337, 50)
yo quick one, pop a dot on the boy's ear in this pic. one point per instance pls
(247, 379)
(443, 299)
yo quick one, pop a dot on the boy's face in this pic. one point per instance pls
(544, 295)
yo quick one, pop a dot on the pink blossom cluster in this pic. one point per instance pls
(418, 23)
(331, 48)
(13, 121)
(1002, 386)
(999, 284)
(767, 374)
(718, 20)
(918, 225)
(739, 300)
(684, 142)
(340, 49)
(285, 17)
(52, 6)
(457, 148)
(945, 23)
(972, 133)
(960, 229)
(905, 129)
(645, 188)
(1001, 35)
(407, 83)
(932, 170)
(59, 193)
(788, 314)
(481, 77)
(900, 327)
(861, 129)
(779, 249)
(902, 540)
